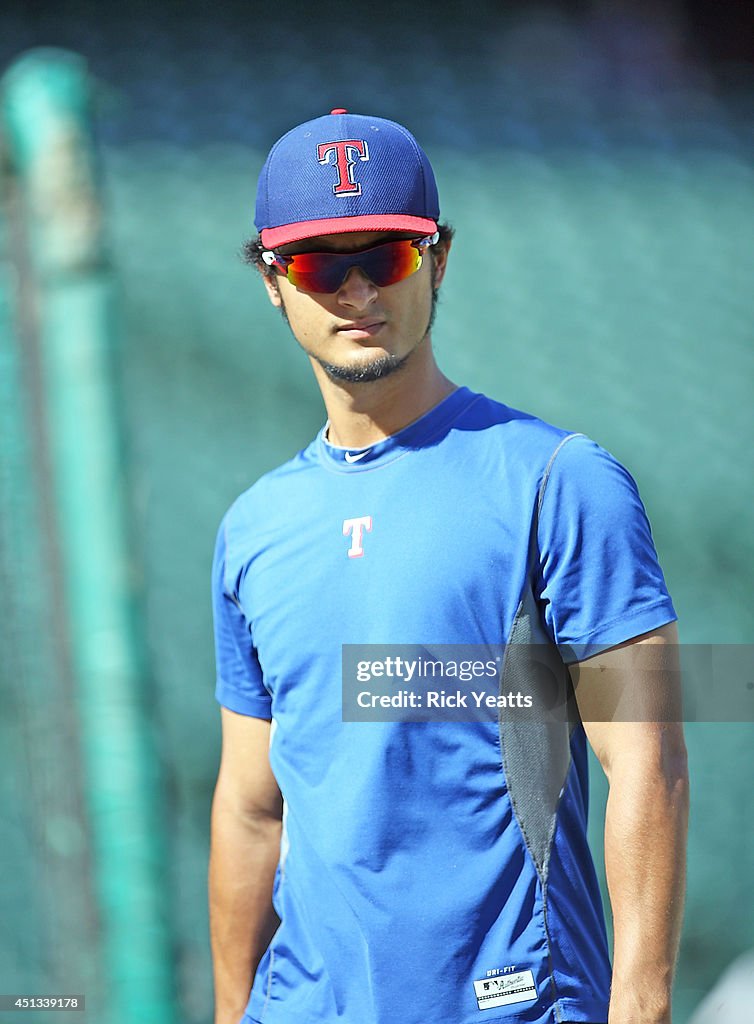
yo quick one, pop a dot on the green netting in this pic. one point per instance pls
(44, 887)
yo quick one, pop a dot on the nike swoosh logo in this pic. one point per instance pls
(357, 456)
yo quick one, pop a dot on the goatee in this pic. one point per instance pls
(362, 373)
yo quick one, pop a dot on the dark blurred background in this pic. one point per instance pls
(596, 162)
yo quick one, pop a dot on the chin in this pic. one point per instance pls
(366, 370)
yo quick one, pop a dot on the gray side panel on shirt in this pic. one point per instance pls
(535, 743)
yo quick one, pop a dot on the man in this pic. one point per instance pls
(432, 870)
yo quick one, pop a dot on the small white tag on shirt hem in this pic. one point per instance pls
(504, 989)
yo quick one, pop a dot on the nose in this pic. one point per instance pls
(357, 291)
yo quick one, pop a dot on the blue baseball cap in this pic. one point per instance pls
(345, 172)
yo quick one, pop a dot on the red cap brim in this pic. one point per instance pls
(273, 237)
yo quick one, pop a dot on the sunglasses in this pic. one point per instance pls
(324, 272)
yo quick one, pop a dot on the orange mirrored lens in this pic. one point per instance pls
(384, 264)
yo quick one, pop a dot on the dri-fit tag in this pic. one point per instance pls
(504, 989)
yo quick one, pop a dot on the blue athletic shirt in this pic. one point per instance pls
(431, 872)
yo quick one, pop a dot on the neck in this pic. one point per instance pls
(363, 414)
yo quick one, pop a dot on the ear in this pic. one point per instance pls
(273, 292)
(440, 263)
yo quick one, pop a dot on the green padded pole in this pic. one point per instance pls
(46, 108)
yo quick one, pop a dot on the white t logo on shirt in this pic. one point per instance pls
(355, 527)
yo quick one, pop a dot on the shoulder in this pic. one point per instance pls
(256, 509)
(522, 437)
(254, 504)
(581, 471)
(573, 474)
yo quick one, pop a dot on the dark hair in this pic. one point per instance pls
(252, 249)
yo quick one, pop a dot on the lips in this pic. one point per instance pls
(365, 326)
(359, 329)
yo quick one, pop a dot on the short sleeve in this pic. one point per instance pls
(239, 686)
(600, 580)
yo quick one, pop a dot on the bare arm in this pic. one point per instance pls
(647, 814)
(245, 847)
